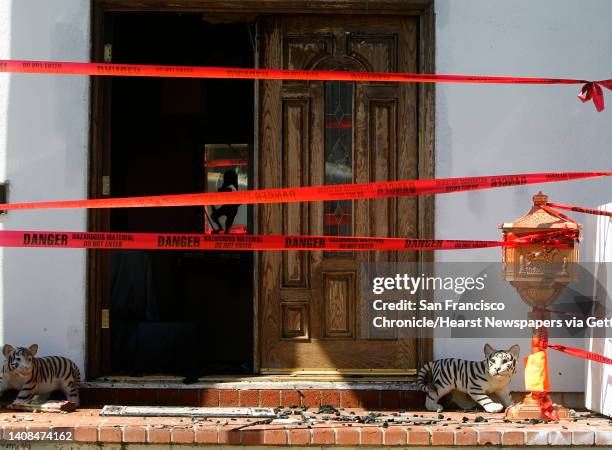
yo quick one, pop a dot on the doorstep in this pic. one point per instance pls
(376, 393)
(256, 391)
(87, 427)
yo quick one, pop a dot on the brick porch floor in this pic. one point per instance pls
(428, 429)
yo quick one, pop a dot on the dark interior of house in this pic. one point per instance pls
(186, 313)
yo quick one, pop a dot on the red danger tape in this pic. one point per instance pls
(591, 90)
(579, 209)
(554, 212)
(316, 193)
(163, 241)
(580, 353)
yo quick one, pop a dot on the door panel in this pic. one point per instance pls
(296, 159)
(338, 305)
(315, 133)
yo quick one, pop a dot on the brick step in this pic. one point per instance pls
(366, 395)
(87, 426)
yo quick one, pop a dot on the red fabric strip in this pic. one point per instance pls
(343, 124)
(316, 193)
(580, 209)
(549, 210)
(539, 342)
(226, 163)
(144, 70)
(580, 353)
(165, 241)
(546, 405)
(591, 90)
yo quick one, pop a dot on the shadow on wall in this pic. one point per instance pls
(43, 297)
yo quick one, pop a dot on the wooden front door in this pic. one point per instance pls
(315, 133)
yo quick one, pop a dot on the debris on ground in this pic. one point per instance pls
(348, 418)
(327, 409)
(326, 416)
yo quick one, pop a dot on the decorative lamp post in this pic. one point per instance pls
(540, 271)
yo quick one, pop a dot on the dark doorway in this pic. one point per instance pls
(187, 313)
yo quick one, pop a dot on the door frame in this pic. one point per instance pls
(99, 159)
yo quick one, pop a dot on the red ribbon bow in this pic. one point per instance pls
(593, 91)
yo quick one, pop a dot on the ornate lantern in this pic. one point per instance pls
(540, 270)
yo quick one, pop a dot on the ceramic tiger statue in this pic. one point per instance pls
(38, 376)
(478, 379)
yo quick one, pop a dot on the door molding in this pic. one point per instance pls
(100, 137)
(411, 7)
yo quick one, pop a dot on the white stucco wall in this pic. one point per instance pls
(44, 136)
(482, 130)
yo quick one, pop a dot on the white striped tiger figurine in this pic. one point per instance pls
(477, 379)
(38, 376)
